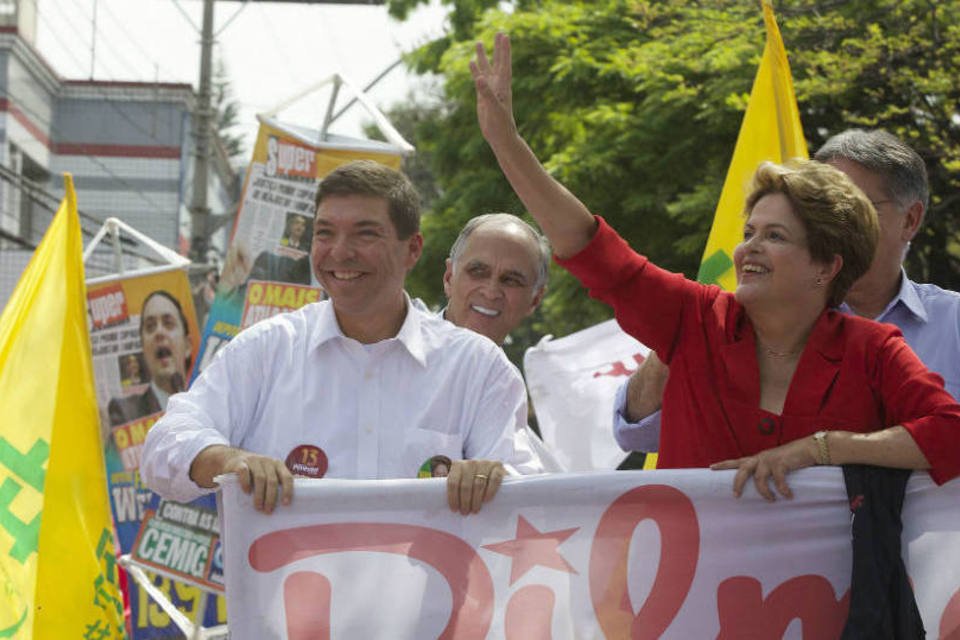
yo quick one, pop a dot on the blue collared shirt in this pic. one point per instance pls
(928, 317)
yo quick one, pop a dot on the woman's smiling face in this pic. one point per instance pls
(773, 263)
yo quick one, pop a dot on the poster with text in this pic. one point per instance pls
(144, 337)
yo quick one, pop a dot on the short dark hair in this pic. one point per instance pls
(369, 178)
(837, 216)
(183, 317)
(900, 168)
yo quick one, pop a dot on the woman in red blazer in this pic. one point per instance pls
(767, 379)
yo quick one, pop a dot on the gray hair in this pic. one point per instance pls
(900, 167)
(503, 219)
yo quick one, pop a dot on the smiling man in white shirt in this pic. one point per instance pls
(496, 277)
(364, 385)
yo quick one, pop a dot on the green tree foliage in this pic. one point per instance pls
(406, 117)
(635, 106)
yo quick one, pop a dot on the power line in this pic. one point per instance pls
(96, 160)
(186, 16)
(110, 102)
(60, 39)
(122, 28)
(50, 203)
(62, 42)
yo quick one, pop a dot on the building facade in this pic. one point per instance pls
(129, 146)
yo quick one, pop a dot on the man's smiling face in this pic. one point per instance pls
(358, 257)
(493, 286)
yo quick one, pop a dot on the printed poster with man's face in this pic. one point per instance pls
(144, 337)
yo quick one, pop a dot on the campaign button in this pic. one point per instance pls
(308, 461)
(435, 467)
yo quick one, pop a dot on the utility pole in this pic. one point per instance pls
(200, 216)
(203, 124)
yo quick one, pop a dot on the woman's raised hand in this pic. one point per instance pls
(494, 93)
(564, 219)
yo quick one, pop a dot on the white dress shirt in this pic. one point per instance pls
(377, 411)
(533, 454)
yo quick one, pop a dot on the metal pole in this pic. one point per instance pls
(371, 85)
(199, 211)
(333, 101)
(93, 40)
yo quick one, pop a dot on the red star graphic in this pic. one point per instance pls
(531, 548)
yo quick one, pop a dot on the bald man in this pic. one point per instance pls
(496, 277)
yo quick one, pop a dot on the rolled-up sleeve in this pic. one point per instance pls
(643, 435)
(214, 411)
(915, 398)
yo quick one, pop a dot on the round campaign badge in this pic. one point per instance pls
(435, 467)
(307, 461)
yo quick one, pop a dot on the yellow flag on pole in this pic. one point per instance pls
(770, 131)
(58, 573)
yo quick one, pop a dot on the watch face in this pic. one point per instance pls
(307, 461)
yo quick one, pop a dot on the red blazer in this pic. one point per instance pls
(853, 375)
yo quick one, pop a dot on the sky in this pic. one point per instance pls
(272, 51)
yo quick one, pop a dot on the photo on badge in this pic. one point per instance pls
(435, 467)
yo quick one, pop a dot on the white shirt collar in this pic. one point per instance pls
(410, 334)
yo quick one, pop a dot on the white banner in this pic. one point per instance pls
(609, 555)
(572, 383)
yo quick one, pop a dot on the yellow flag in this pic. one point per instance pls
(57, 564)
(770, 131)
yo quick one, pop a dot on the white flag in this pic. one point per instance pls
(572, 383)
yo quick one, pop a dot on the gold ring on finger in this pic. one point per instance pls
(480, 478)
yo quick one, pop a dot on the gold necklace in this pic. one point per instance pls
(779, 355)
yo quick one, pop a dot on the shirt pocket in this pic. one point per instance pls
(422, 444)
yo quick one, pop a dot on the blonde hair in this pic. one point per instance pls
(836, 215)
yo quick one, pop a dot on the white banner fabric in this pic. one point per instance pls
(640, 554)
(572, 383)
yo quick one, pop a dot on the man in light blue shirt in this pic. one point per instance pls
(894, 178)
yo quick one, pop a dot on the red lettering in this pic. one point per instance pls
(674, 514)
(467, 575)
(745, 613)
(306, 601)
(618, 368)
(950, 619)
(529, 614)
(107, 306)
